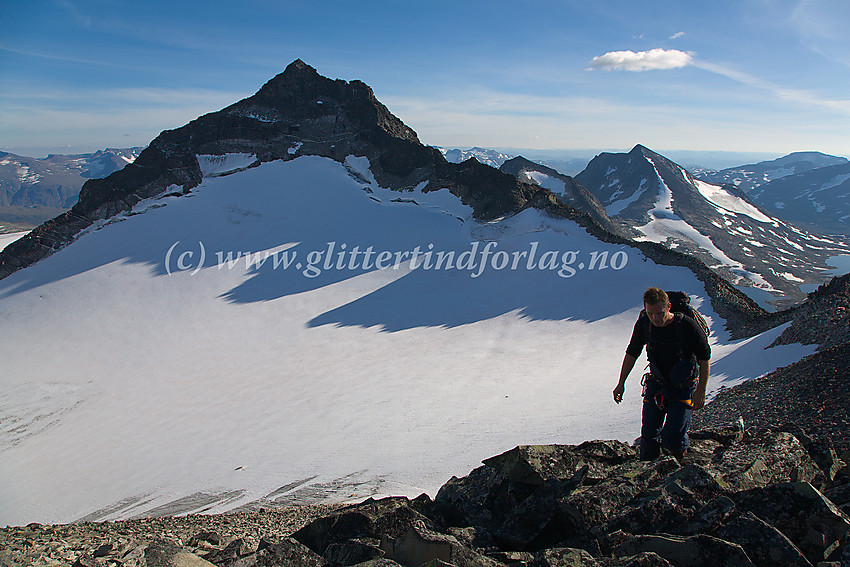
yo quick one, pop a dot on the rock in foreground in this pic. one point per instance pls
(741, 498)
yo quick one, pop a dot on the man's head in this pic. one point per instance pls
(657, 306)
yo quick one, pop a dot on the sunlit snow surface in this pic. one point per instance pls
(138, 379)
(9, 237)
(727, 203)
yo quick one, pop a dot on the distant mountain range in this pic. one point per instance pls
(650, 198)
(490, 157)
(748, 177)
(52, 183)
(807, 188)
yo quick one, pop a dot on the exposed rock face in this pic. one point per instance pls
(824, 318)
(566, 189)
(298, 112)
(742, 498)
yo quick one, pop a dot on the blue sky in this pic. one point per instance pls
(730, 75)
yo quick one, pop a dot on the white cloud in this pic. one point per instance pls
(677, 35)
(642, 60)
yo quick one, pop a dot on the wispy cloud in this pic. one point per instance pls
(59, 57)
(798, 96)
(641, 60)
(677, 35)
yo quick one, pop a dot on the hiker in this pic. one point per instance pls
(679, 355)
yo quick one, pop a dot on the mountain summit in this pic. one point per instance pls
(298, 112)
(718, 224)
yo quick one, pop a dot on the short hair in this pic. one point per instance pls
(654, 296)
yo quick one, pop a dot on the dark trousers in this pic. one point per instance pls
(665, 426)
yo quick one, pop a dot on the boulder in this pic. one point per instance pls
(563, 557)
(725, 434)
(389, 517)
(353, 551)
(461, 502)
(163, 553)
(823, 454)
(764, 458)
(765, 545)
(539, 522)
(670, 506)
(596, 503)
(839, 494)
(692, 551)
(102, 550)
(231, 552)
(710, 516)
(420, 545)
(288, 551)
(802, 513)
(534, 464)
(701, 451)
(492, 492)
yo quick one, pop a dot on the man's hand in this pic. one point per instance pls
(628, 364)
(618, 392)
(699, 398)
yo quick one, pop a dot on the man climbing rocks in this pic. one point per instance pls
(679, 354)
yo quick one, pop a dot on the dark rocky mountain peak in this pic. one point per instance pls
(566, 189)
(300, 91)
(719, 224)
(298, 112)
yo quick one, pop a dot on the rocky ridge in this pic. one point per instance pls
(743, 496)
(751, 176)
(565, 188)
(659, 200)
(300, 112)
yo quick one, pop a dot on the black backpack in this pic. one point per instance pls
(680, 304)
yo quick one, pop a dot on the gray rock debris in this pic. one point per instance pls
(741, 498)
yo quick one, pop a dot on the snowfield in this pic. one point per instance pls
(294, 332)
(725, 202)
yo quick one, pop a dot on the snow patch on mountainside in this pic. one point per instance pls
(665, 224)
(618, 206)
(553, 184)
(727, 203)
(835, 182)
(212, 165)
